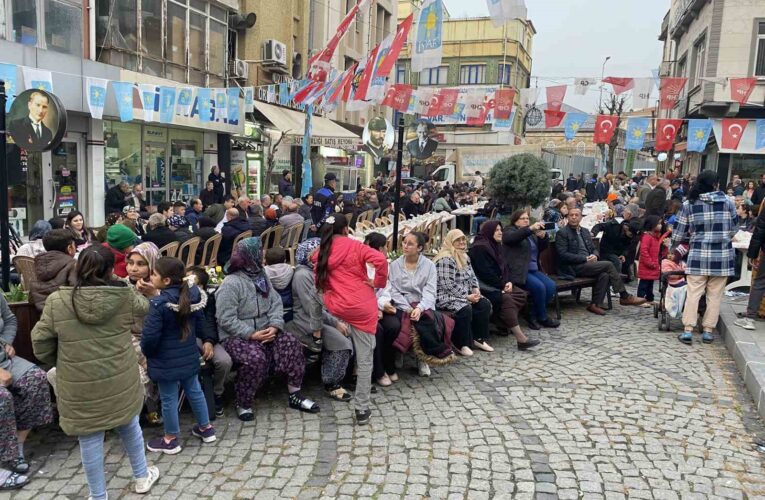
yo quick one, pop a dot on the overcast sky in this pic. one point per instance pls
(575, 36)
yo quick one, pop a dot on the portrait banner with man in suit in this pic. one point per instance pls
(37, 120)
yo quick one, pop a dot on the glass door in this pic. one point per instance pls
(155, 172)
(65, 167)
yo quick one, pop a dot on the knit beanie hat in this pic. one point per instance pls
(120, 237)
(681, 251)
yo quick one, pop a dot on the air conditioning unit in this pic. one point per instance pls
(274, 53)
(239, 69)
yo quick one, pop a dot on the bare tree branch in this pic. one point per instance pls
(271, 156)
(614, 107)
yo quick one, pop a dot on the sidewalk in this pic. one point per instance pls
(747, 347)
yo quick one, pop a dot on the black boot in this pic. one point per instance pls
(550, 323)
(533, 324)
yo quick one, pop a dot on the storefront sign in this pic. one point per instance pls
(37, 120)
(337, 160)
(329, 142)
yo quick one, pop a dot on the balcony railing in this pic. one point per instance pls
(684, 15)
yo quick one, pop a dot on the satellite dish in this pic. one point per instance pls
(662, 157)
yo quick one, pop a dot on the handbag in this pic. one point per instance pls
(674, 301)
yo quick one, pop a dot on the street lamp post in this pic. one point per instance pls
(602, 76)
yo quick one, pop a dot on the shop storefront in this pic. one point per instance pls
(248, 160)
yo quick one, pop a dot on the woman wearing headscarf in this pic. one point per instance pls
(312, 322)
(459, 294)
(493, 276)
(35, 246)
(251, 327)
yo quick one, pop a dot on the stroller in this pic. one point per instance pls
(660, 308)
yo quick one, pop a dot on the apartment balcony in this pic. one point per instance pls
(685, 14)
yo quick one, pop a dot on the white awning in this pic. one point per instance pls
(324, 132)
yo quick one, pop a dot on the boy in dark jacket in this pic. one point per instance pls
(54, 268)
(209, 342)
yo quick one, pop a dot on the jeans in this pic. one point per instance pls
(92, 453)
(168, 393)
(477, 221)
(542, 290)
(645, 289)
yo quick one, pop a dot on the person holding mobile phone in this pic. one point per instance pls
(522, 244)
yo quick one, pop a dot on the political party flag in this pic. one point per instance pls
(396, 45)
(529, 97)
(148, 93)
(184, 101)
(204, 104)
(249, 98)
(503, 103)
(8, 75)
(422, 100)
(582, 84)
(366, 76)
(306, 152)
(479, 119)
(316, 95)
(620, 85)
(698, 134)
(741, 89)
(605, 126)
(428, 42)
(553, 118)
(221, 104)
(555, 96)
(40, 79)
(641, 95)
(636, 131)
(284, 94)
(502, 11)
(732, 132)
(398, 96)
(446, 100)
(666, 131)
(166, 104)
(95, 90)
(473, 100)
(232, 104)
(572, 123)
(670, 91)
(759, 142)
(305, 88)
(336, 88)
(656, 78)
(123, 95)
(319, 63)
(271, 93)
(498, 125)
(353, 102)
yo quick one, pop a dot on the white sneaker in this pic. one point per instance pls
(144, 484)
(424, 369)
(466, 351)
(745, 323)
(484, 346)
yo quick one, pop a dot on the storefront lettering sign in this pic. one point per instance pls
(330, 142)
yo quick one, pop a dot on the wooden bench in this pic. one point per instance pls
(548, 263)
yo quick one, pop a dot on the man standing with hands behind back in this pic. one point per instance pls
(30, 131)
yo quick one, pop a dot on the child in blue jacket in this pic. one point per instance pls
(168, 341)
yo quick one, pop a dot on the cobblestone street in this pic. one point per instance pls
(605, 408)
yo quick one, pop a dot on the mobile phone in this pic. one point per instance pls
(549, 226)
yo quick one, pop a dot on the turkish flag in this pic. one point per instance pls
(402, 33)
(305, 92)
(741, 89)
(620, 85)
(503, 103)
(670, 91)
(553, 117)
(555, 96)
(366, 76)
(605, 126)
(666, 131)
(447, 100)
(732, 131)
(398, 96)
(477, 117)
(434, 107)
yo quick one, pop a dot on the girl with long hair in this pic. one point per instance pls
(75, 222)
(349, 295)
(84, 332)
(169, 343)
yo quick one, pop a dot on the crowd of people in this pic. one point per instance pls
(124, 329)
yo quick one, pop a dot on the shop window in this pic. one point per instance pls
(63, 27)
(176, 34)
(24, 14)
(197, 40)
(122, 153)
(151, 28)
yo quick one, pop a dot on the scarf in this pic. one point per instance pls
(304, 251)
(448, 249)
(247, 258)
(485, 239)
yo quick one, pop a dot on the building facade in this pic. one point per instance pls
(162, 43)
(708, 42)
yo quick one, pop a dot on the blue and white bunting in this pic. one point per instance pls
(249, 99)
(221, 104)
(427, 48)
(95, 90)
(8, 74)
(502, 11)
(204, 104)
(232, 95)
(636, 131)
(123, 95)
(572, 123)
(166, 104)
(759, 142)
(40, 79)
(284, 93)
(698, 134)
(148, 93)
(184, 101)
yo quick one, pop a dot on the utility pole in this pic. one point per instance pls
(602, 76)
(5, 230)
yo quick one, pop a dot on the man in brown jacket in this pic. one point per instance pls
(54, 268)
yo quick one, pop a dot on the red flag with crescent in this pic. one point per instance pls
(447, 99)
(398, 96)
(732, 131)
(503, 103)
(741, 89)
(666, 131)
(553, 118)
(620, 85)
(399, 40)
(605, 126)
(555, 96)
(366, 76)
(477, 118)
(670, 91)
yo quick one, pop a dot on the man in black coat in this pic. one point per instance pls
(158, 232)
(577, 257)
(235, 226)
(759, 192)
(656, 200)
(571, 183)
(615, 242)
(117, 198)
(30, 132)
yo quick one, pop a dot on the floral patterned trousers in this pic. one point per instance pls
(24, 405)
